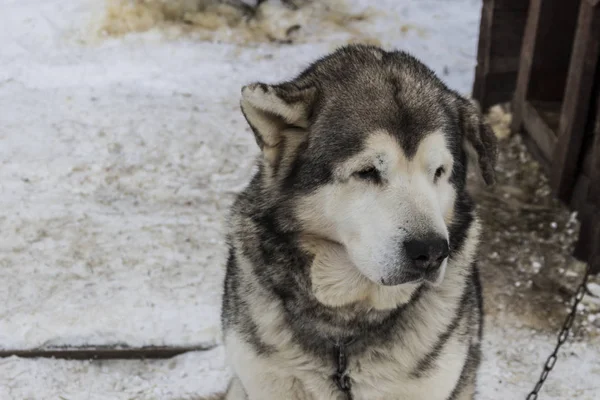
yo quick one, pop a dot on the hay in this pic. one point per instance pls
(499, 117)
(236, 22)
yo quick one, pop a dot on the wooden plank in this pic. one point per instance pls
(526, 64)
(588, 160)
(500, 38)
(536, 153)
(575, 110)
(594, 166)
(581, 189)
(550, 112)
(586, 197)
(538, 126)
(507, 32)
(583, 246)
(511, 4)
(587, 248)
(594, 197)
(503, 65)
(499, 83)
(552, 50)
(103, 353)
(595, 252)
(483, 53)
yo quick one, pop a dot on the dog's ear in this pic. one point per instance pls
(479, 140)
(272, 109)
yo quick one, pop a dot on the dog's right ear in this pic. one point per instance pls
(272, 109)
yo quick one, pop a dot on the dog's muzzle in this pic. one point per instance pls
(424, 257)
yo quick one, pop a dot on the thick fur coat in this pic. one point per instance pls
(351, 271)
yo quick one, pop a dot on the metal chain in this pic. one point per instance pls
(562, 337)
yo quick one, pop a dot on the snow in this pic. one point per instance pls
(512, 364)
(119, 157)
(513, 361)
(176, 378)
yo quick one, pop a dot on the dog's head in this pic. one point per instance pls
(370, 149)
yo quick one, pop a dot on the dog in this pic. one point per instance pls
(351, 271)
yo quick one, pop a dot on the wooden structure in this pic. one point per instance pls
(544, 55)
(500, 37)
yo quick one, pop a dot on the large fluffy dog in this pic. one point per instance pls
(351, 271)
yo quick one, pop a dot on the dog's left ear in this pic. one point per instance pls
(479, 140)
(273, 110)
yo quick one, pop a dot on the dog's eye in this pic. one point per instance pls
(438, 173)
(369, 174)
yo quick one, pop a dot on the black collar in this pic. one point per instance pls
(342, 376)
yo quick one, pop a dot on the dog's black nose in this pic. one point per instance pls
(428, 253)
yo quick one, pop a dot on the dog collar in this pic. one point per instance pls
(342, 376)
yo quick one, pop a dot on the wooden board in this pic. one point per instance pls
(539, 123)
(545, 54)
(594, 194)
(500, 38)
(586, 195)
(575, 110)
(525, 66)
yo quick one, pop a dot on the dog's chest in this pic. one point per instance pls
(382, 373)
(389, 374)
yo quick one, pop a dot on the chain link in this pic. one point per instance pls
(562, 337)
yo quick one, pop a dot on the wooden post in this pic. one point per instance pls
(588, 245)
(544, 65)
(575, 107)
(526, 63)
(594, 193)
(595, 256)
(500, 37)
(483, 53)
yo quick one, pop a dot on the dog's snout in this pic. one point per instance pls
(428, 253)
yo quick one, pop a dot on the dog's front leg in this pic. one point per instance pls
(259, 377)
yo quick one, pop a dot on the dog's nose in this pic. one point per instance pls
(428, 253)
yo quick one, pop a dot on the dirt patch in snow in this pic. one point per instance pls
(525, 254)
(223, 21)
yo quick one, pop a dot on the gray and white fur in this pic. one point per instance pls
(357, 235)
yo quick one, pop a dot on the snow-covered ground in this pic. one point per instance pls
(119, 157)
